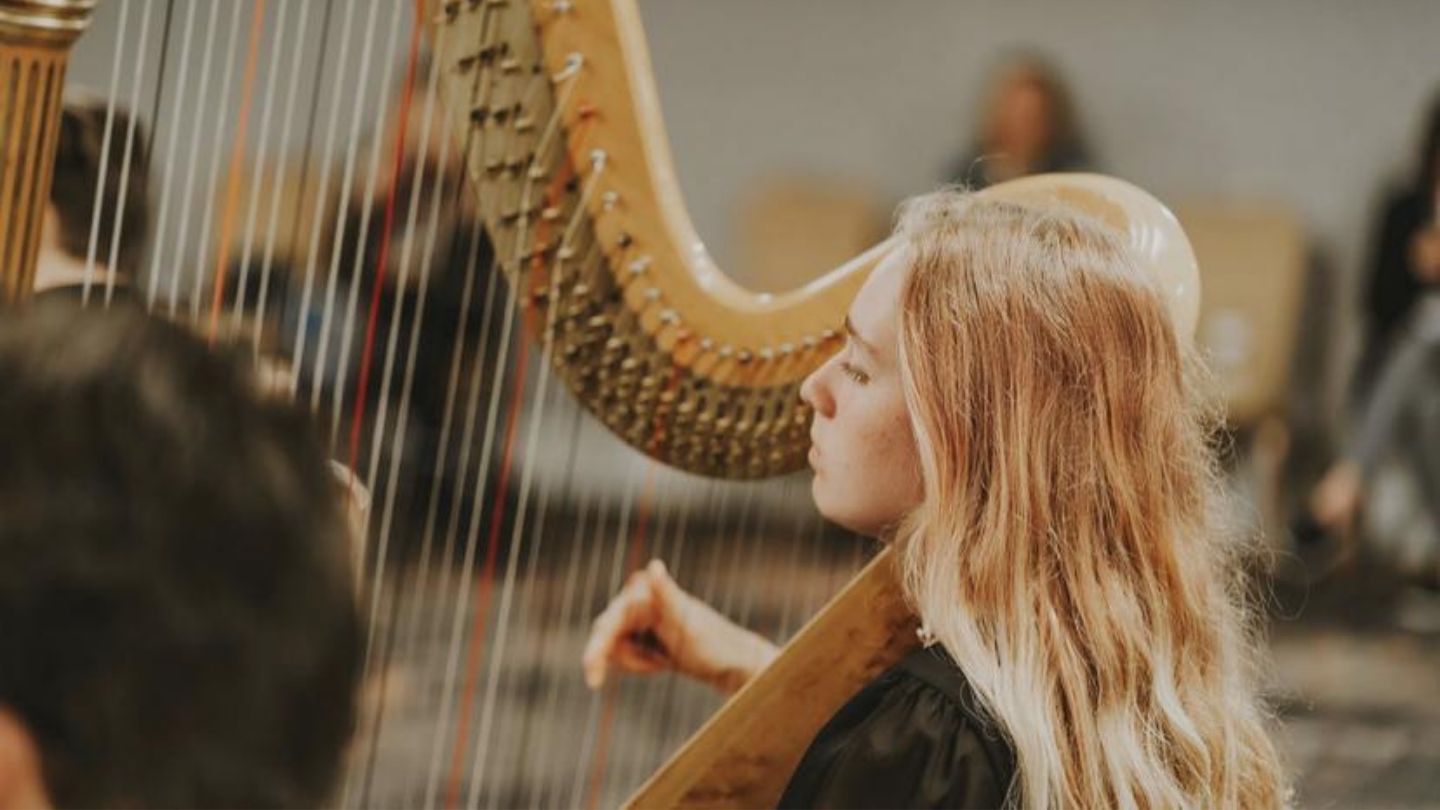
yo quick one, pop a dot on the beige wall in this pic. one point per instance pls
(1308, 102)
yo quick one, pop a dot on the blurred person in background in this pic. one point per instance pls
(1028, 125)
(438, 285)
(177, 620)
(1398, 380)
(1405, 255)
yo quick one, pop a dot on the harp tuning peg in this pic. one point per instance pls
(573, 62)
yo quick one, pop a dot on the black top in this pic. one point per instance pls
(914, 737)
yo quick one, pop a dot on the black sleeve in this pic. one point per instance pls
(900, 742)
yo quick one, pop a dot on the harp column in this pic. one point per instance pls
(35, 39)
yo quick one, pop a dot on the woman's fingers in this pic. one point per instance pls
(651, 604)
(635, 658)
(631, 611)
(672, 622)
(664, 585)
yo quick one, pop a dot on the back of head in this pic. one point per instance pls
(1068, 552)
(177, 625)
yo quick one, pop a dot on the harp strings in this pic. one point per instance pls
(207, 217)
(352, 298)
(247, 244)
(157, 247)
(97, 210)
(237, 156)
(484, 589)
(550, 139)
(378, 584)
(512, 560)
(187, 204)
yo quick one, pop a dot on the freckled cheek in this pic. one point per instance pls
(887, 450)
(900, 454)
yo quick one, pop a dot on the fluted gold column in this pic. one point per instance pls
(35, 39)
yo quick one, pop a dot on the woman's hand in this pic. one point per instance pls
(1425, 255)
(653, 625)
(1336, 499)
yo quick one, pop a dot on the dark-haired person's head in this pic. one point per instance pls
(177, 623)
(85, 158)
(1429, 179)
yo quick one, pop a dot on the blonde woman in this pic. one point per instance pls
(1015, 413)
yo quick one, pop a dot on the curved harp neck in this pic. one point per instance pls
(605, 102)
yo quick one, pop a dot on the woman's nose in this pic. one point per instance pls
(814, 393)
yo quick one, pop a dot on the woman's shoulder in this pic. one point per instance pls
(914, 737)
(931, 670)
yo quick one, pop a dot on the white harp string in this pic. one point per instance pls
(158, 250)
(99, 204)
(187, 205)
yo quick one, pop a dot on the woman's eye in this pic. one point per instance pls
(854, 373)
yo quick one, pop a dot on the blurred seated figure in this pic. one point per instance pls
(1398, 380)
(70, 217)
(1028, 125)
(177, 622)
(1405, 259)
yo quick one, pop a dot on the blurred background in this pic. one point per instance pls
(1297, 141)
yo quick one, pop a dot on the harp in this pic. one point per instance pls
(582, 286)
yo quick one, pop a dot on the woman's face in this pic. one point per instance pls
(867, 470)
(1024, 119)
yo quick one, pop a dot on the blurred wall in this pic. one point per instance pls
(1308, 102)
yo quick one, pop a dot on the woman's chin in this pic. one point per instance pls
(825, 503)
(833, 509)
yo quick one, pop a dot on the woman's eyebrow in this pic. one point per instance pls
(855, 335)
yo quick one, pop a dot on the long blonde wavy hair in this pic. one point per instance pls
(1070, 551)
